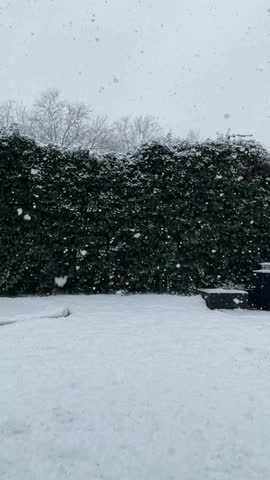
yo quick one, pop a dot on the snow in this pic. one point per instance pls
(65, 312)
(27, 217)
(19, 211)
(265, 266)
(61, 281)
(133, 387)
(221, 290)
(263, 270)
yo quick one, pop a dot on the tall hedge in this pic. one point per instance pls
(160, 220)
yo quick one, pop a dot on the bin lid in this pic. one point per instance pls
(261, 271)
(222, 290)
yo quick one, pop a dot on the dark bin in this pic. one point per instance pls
(220, 298)
(259, 295)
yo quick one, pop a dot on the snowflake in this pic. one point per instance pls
(60, 281)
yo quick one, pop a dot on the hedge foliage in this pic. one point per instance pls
(158, 220)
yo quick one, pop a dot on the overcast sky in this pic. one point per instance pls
(190, 62)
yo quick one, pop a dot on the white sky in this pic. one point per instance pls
(189, 62)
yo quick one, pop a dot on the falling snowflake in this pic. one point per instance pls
(60, 281)
(137, 235)
(27, 217)
(34, 171)
(19, 211)
(83, 253)
(227, 116)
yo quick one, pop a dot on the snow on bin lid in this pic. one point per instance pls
(222, 290)
(265, 266)
(261, 271)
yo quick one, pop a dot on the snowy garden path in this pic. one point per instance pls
(140, 387)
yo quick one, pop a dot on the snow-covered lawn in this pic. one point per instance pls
(140, 387)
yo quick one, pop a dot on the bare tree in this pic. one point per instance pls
(146, 128)
(57, 122)
(52, 120)
(98, 136)
(13, 116)
(131, 132)
(170, 139)
(123, 135)
(7, 115)
(193, 136)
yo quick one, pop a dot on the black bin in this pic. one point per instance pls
(260, 292)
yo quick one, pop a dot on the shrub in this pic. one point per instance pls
(159, 220)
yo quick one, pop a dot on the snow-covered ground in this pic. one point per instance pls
(140, 387)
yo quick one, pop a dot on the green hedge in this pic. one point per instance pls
(160, 220)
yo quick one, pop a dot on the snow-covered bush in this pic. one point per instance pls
(164, 219)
